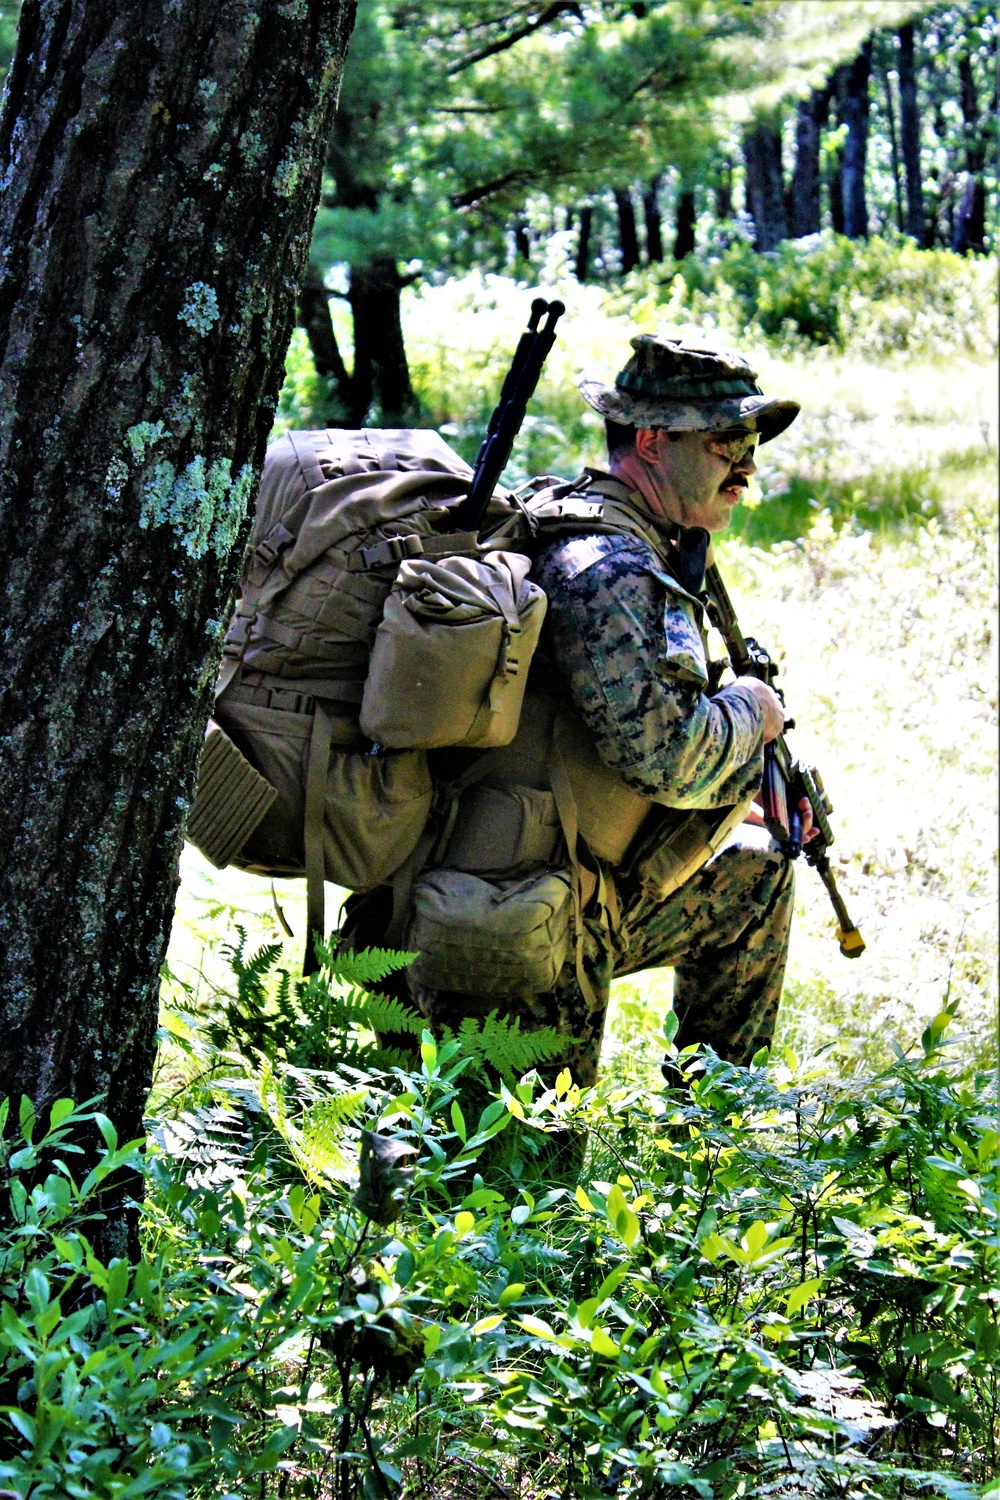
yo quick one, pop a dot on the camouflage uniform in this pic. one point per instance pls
(625, 641)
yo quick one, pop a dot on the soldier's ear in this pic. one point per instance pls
(651, 444)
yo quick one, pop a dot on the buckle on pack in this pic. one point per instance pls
(393, 549)
(273, 545)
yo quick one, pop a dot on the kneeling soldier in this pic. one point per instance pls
(658, 765)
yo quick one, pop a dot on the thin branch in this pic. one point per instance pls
(502, 44)
(500, 1488)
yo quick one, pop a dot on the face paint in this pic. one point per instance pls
(733, 445)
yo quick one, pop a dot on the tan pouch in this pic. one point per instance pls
(450, 659)
(683, 849)
(375, 806)
(230, 800)
(490, 938)
(504, 831)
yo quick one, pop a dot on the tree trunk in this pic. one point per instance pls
(628, 239)
(583, 242)
(314, 317)
(685, 224)
(381, 373)
(909, 136)
(890, 110)
(654, 223)
(970, 224)
(809, 121)
(724, 192)
(855, 115)
(765, 183)
(162, 166)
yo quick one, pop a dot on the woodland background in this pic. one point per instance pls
(784, 1282)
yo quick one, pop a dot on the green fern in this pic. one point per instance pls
(378, 1013)
(498, 1042)
(370, 966)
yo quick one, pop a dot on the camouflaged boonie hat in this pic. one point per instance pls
(688, 388)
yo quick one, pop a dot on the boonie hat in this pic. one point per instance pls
(686, 387)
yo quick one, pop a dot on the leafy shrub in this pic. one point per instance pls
(772, 1280)
(875, 297)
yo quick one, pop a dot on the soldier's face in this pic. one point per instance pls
(699, 477)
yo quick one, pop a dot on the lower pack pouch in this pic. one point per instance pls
(375, 809)
(490, 937)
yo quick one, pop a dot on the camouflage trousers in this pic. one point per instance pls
(725, 935)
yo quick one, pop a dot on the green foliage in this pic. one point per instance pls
(773, 1279)
(876, 297)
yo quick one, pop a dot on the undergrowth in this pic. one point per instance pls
(779, 1280)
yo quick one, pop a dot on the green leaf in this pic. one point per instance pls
(802, 1294)
(486, 1325)
(510, 1293)
(61, 1110)
(602, 1343)
(458, 1122)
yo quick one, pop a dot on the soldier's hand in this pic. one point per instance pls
(809, 829)
(771, 706)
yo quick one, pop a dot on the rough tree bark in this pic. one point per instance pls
(628, 239)
(810, 118)
(765, 183)
(909, 136)
(159, 170)
(855, 114)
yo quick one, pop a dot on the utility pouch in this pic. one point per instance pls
(367, 813)
(493, 938)
(504, 831)
(230, 800)
(449, 664)
(674, 851)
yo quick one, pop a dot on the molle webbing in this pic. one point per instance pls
(230, 800)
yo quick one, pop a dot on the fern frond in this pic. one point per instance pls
(498, 1041)
(251, 973)
(378, 1013)
(362, 969)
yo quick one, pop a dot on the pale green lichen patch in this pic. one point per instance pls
(201, 310)
(142, 437)
(203, 506)
(286, 177)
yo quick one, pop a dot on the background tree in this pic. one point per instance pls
(160, 165)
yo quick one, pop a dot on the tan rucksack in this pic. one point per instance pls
(366, 633)
(350, 548)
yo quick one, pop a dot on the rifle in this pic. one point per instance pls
(786, 780)
(505, 423)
